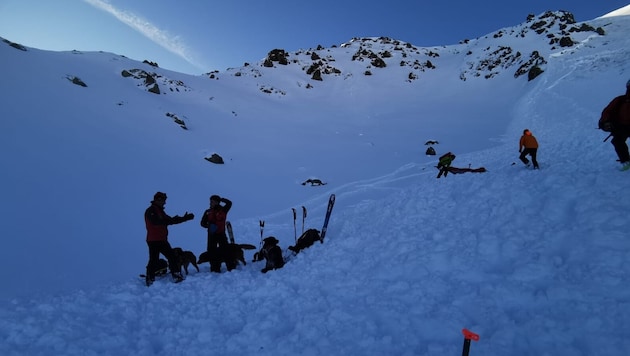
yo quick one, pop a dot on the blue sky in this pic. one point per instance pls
(200, 36)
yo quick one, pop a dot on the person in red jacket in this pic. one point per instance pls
(616, 120)
(214, 220)
(157, 221)
(528, 146)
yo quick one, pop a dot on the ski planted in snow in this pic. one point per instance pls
(331, 203)
(230, 232)
(294, 228)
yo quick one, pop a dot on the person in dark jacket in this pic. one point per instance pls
(214, 220)
(616, 120)
(444, 164)
(528, 145)
(157, 221)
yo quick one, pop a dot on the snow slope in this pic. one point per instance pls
(535, 262)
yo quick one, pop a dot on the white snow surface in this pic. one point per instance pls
(535, 262)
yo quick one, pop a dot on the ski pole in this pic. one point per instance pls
(303, 217)
(262, 226)
(294, 228)
(468, 335)
(607, 137)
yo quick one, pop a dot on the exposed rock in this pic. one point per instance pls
(152, 64)
(533, 73)
(313, 182)
(154, 82)
(14, 45)
(276, 55)
(76, 81)
(177, 120)
(215, 158)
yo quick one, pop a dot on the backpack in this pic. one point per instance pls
(610, 119)
(446, 159)
(307, 239)
(430, 151)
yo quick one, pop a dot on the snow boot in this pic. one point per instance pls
(177, 277)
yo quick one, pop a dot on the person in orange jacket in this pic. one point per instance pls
(528, 146)
(214, 219)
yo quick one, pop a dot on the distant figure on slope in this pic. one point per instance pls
(157, 221)
(214, 220)
(616, 120)
(445, 163)
(528, 146)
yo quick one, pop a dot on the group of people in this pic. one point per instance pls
(528, 145)
(157, 221)
(615, 119)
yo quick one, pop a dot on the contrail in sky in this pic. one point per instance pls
(171, 43)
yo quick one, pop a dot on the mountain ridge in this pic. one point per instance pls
(557, 27)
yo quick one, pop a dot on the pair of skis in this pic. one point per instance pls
(331, 204)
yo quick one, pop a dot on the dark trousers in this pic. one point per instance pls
(443, 171)
(217, 244)
(619, 142)
(163, 247)
(532, 153)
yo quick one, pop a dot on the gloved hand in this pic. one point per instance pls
(605, 126)
(188, 216)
